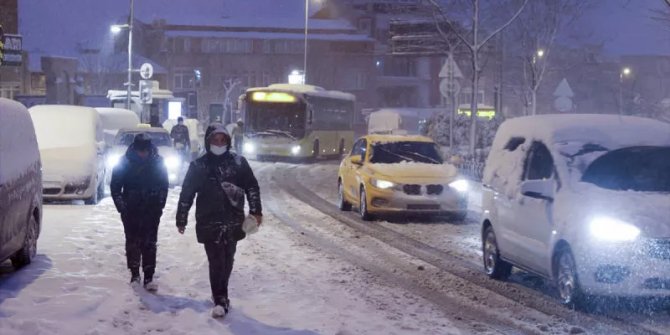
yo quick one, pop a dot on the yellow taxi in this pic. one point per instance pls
(397, 174)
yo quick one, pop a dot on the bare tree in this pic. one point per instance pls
(229, 86)
(535, 35)
(474, 38)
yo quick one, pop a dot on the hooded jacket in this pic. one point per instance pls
(221, 184)
(140, 185)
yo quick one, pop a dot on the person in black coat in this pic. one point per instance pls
(221, 179)
(139, 189)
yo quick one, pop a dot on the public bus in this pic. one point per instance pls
(297, 122)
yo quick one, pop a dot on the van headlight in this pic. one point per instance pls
(460, 185)
(295, 150)
(172, 162)
(113, 160)
(613, 230)
(249, 148)
(382, 184)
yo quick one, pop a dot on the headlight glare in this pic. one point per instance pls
(113, 160)
(172, 162)
(460, 185)
(613, 230)
(382, 184)
(249, 148)
(295, 150)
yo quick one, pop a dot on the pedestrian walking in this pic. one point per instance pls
(139, 189)
(181, 139)
(220, 179)
(238, 136)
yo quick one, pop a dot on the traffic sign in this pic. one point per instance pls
(146, 71)
(450, 68)
(448, 88)
(146, 93)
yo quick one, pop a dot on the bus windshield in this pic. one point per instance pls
(286, 119)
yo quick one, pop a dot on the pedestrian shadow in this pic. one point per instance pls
(160, 303)
(12, 281)
(240, 324)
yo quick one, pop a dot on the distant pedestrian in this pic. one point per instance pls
(220, 179)
(139, 189)
(238, 136)
(181, 139)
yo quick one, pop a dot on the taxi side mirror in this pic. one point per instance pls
(357, 160)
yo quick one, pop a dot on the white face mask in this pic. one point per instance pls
(217, 150)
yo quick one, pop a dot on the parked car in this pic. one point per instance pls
(582, 200)
(72, 149)
(113, 119)
(20, 185)
(387, 174)
(160, 138)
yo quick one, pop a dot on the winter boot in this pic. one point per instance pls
(134, 276)
(149, 283)
(219, 312)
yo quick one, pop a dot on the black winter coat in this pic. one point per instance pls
(180, 134)
(221, 183)
(140, 186)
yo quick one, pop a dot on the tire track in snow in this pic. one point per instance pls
(286, 178)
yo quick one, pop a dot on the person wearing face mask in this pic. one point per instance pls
(139, 189)
(221, 180)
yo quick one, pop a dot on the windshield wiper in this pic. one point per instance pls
(430, 159)
(281, 132)
(396, 154)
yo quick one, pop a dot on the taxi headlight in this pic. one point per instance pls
(381, 184)
(295, 150)
(460, 185)
(613, 230)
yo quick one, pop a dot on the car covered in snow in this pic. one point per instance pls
(72, 149)
(396, 174)
(582, 200)
(113, 119)
(20, 185)
(159, 137)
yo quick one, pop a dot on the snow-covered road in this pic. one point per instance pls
(305, 272)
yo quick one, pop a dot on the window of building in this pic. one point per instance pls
(184, 79)
(466, 96)
(228, 45)
(355, 80)
(283, 47)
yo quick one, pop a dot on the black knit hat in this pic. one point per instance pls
(142, 142)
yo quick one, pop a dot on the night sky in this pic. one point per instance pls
(624, 25)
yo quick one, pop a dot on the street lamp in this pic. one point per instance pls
(625, 73)
(540, 53)
(306, 33)
(115, 29)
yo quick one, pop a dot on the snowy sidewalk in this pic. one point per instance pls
(79, 285)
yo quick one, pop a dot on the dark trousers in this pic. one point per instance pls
(221, 257)
(239, 144)
(141, 231)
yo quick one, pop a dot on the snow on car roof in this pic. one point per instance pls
(18, 148)
(306, 89)
(143, 130)
(378, 138)
(610, 131)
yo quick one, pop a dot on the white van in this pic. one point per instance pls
(72, 147)
(20, 185)
(582, 200)
(113, 119)
(385, 122)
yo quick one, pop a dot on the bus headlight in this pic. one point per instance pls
(172, 162)
(295, 150)
(249, 148)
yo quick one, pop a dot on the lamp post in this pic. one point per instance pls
(117, 29)
(625, 72)
(304, 66)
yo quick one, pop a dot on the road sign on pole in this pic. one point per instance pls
(146, 71)
(450, 68)
(146, 93)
